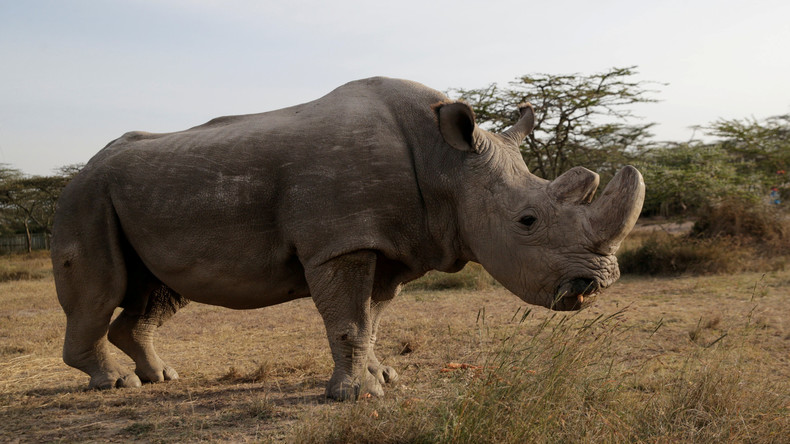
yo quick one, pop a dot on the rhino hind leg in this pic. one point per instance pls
(133, 331)
(90, 278)
(86, 348)
(341, 289)
(383, 373)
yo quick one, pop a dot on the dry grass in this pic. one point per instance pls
(472, 277)
(24, 266)
(703, 359)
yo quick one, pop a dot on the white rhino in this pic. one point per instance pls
(342, 199)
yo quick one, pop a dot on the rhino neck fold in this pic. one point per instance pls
(439, 179)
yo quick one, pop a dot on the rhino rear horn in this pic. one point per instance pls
(459, 130)
(576, 185)
(614, 214)
(526, 123)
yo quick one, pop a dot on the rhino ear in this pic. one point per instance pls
(457, 125)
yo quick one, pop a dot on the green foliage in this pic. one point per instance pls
(759, 150)
(27, 203)
(748, 159)
(683, 178)
(580, 119)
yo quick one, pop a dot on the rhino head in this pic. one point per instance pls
(548, 242)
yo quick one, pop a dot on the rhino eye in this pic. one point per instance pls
(527, 221)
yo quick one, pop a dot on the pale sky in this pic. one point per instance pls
(77, 74)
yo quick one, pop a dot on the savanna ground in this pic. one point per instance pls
(676, 359)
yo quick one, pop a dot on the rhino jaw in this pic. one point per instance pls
(571, 294)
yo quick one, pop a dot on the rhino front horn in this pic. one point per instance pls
(614, 214)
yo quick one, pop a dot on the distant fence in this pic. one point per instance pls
(18, 242)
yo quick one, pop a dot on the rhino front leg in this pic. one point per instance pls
(341, 289)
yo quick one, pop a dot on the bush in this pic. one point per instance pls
(667, 255)
(734, 234)
(745, 219)
(682, 178)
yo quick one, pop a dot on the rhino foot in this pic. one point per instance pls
(161, 374)
(114, 380)
(347, 390)
(384, 374)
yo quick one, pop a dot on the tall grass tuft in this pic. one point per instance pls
(552, 383)
(570, 379)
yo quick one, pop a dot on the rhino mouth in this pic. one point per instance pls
(572, 294)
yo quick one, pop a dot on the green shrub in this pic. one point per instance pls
(745, 219)
(733, 234)
(667, 255)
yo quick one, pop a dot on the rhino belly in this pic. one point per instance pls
(231, 281)
(244, 292)
(216, 256)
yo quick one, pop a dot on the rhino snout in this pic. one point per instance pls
(571, 294)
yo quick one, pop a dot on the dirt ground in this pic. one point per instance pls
(259, 375)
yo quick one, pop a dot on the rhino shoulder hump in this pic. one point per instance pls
(132, 136)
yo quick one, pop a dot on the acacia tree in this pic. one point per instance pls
(748, 157)
(8, 212)
(759, 150)
(20, 204)
(30, 201)
(580, 119)
(686, 177)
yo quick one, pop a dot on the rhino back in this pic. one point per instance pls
(238, 205)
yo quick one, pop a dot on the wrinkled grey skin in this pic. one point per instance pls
(341, 199)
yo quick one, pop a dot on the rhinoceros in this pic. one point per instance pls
(342, 199)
